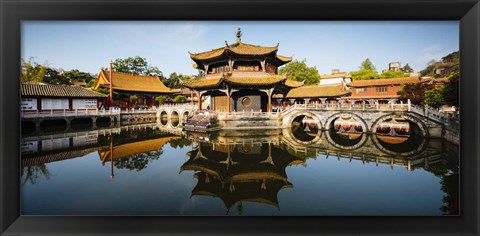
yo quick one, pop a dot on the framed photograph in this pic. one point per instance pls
(271, 117)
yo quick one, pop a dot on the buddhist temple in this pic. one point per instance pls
(236, 173)
(240, 76)
(145, 88)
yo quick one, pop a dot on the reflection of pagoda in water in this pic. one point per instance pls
(240, 172)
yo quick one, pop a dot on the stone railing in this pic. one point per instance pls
(251, 113)
(349, 107)
(179, 105)
(447, 118)
(139, 110)
(69, 113)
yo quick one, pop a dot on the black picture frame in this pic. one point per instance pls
(467, 12)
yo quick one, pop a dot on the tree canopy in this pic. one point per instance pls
(367, 65)
(136, 65)
(34, 72)
(299, 71)
(392, 74)
(366, 71)
(174, 80)
(415, 92)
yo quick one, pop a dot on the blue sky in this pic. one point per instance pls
(89, 45)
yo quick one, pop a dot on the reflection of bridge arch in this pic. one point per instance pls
(329, 121)
(290, 136)
(362, 141)
(419, 123)
(306, 113)
(379, 146)
(316, 140)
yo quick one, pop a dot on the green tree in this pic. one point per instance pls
(76, 75)
(452, 89)
(435, 97)
(161, 99)
(407, 68)
(52, 76)
(392, 74)
(364, 75)
(414, 91)
(367, 65)
(179, 99)
(174, 80)
(299, 71)
(32, 71)
(135, 65)
(91, 83)
(366, 71)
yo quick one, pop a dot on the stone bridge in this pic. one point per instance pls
(370, 116)
(170, 116)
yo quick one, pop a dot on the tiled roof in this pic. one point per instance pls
(317, 91)
(237, 48)
(238, 78)
(338, 75)
(131, 82)
(38, 90)
(203, 82)
(375, 96)
(293, 83)
(380, 82)
(284, 58)
(253, 78)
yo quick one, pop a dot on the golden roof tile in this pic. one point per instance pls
(132, 82)
(318, 91)
(293, 83)
(255, 80)
(236, 48)
(203, 82)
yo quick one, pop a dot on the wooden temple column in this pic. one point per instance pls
(270, 91)
(269, 97)
(199, 95)
(191, 96)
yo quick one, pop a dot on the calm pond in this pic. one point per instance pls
(150, 170)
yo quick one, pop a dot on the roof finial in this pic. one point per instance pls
(239, 35)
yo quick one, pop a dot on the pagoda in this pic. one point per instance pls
(240, 77)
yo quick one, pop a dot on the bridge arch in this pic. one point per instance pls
(297, 114)
(329, 121)
(174, 114)
(412, 118)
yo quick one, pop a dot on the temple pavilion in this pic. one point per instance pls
(240, 76)
(125, 85)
